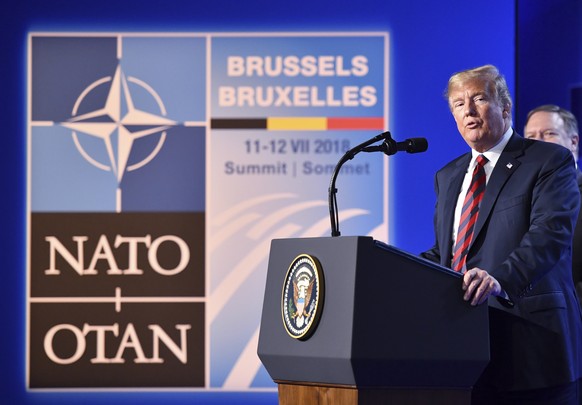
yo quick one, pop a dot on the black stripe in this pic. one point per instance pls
(238, 123)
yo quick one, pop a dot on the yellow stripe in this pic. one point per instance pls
(297, 123)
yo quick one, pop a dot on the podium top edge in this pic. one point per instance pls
(417, 259)
(386, 247)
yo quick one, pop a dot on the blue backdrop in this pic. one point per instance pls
(549, 56)
(428, 41)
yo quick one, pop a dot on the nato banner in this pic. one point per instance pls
(160, 166)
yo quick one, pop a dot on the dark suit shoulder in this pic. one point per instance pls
(454, 164)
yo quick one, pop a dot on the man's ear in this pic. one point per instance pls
(575, 143)
(505, 112)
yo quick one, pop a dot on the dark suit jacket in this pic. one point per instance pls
(577, 248)
(523, 238)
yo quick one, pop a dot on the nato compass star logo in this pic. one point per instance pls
(117, 123)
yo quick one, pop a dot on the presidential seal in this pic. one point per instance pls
(302, 300)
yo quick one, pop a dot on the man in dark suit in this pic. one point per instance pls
(518, 259)
(551, 123)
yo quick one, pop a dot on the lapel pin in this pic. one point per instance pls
(509, 165)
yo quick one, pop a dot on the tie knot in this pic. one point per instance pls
(481, 160)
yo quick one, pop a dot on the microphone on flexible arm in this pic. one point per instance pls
(389, 146)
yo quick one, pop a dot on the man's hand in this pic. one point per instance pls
(479, 285)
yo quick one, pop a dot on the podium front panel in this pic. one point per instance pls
(389, 319)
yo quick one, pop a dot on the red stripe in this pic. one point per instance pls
(356, 123)
(464, 214)
(476, 184)
(467, 210)
(467, 227)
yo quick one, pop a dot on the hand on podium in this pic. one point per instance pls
(479, 286)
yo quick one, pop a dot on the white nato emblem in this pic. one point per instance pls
(118, 123)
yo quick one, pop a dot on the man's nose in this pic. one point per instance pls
(469, 108)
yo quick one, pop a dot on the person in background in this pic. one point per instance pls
(551, 123)
(504, 218)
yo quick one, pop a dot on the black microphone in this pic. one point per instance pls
(413, 145)
(390, 147)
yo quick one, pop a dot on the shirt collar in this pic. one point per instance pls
(493, 154)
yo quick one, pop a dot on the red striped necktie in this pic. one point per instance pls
(469, 215)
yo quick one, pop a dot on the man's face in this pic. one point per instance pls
(480, 118)
(549, 127)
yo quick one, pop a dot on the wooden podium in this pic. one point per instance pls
(394, 328)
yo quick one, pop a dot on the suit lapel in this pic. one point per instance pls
(504, 169)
